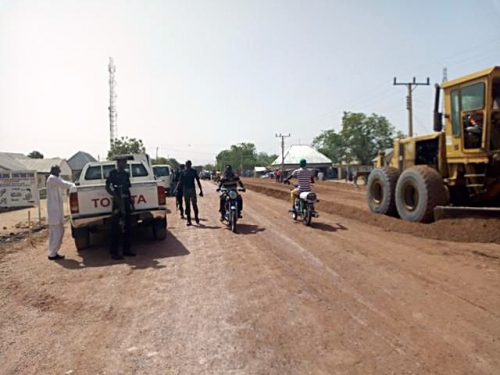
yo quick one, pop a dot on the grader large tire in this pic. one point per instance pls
(380, 190)
(419, 190)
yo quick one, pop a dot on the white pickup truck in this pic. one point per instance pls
(164, 173)
(91, 205)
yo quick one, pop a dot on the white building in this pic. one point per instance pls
(314, 158)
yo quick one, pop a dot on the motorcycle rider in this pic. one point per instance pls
(230, 181)
(305, 177)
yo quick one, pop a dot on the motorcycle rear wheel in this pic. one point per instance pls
(307, 217)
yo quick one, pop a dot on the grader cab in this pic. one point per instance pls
(452, 172)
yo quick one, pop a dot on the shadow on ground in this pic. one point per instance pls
(148, 251)
(327, 227)
(242, 228)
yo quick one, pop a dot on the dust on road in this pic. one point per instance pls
(341, 297)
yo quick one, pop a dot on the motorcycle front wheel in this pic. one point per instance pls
(233, 221)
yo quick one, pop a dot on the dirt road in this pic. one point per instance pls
(341, 297)
(347, 201)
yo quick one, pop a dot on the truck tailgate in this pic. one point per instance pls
(94, 199)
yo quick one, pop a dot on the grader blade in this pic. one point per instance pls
(448, 212)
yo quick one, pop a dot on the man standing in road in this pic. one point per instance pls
(186, 182)
(55, 211)
(179, 193)
(118, 186)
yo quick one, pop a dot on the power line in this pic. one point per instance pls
(375, 95)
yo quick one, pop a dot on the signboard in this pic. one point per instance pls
(18, 189)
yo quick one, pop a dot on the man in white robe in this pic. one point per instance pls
(55, 211)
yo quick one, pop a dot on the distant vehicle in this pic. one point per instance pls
(91, 205)
(268, 175)
(164, 173)
(205, 175)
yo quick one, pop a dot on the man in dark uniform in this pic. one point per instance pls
(186, 182)
(118, 186)
(179, 191)
(230, 181)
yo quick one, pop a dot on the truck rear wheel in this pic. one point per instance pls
(82, 239)
(160, 229)
(419, 190)
(381, 190)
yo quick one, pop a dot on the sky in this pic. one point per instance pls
(195, 77)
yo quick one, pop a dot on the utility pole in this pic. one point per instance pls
(113, 127)
(282, 136)
(445, 79)
(409, 99)
(241, 169)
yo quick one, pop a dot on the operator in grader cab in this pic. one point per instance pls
(305, 178)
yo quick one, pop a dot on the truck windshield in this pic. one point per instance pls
(473, 97)
(97, 173)
(138, 170)
(161, 171)
(106, 169)
(94, 173)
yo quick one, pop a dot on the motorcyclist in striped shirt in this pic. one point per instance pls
(305, 177)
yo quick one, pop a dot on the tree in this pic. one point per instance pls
(263, 159)
(359, 139)
(35, 155)
(170, 161)
(331, 144)
(400, 135)
(241, 157)
(124, 145)
(208, 167)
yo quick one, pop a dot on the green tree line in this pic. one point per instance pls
(359, 139)
(243, 156)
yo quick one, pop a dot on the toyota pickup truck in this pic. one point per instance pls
(91, 205)
(164, 173)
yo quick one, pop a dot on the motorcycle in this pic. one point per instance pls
(304, 207)
(231, 209)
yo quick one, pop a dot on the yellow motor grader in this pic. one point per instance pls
(452, 172)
